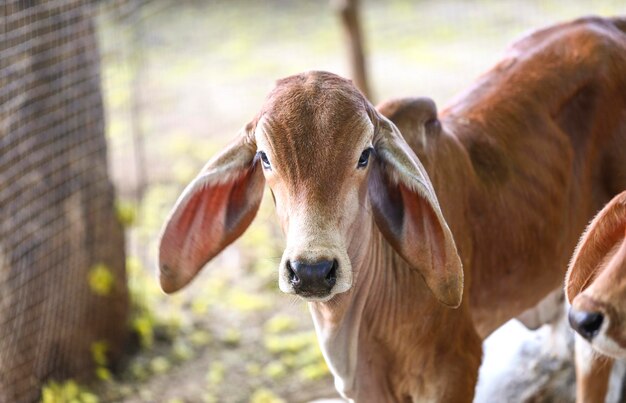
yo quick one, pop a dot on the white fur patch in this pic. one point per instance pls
(585, 354)
(309, 241)
(339, 345)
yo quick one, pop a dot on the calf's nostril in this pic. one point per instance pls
(316, 278)
(587, 324)
(331, 277)
(293, 277)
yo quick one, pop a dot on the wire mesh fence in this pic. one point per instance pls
(62, 280)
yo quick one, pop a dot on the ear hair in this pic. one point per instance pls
(605, 230)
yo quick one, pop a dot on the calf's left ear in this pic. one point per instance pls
(213, 211)
(407, 212)
(602, 234)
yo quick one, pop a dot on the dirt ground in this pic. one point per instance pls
(180, 79)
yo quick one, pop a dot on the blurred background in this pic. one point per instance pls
(109, 108)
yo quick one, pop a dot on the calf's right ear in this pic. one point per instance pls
(213, 211)
(604, 232)
(407, 212)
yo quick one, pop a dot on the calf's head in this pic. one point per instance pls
(596, 281)
(331, 162)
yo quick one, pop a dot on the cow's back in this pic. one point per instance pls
(545, 131)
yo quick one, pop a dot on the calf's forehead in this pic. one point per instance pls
(315, 107)
(314, 126)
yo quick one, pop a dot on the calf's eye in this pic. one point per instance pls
(264, 160)
(364, 158)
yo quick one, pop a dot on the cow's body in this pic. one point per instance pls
(545, 133)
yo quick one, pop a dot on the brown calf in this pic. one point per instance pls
(596, 288)
(519, 164)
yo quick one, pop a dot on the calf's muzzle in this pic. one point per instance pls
(313, 279)
(587, 324)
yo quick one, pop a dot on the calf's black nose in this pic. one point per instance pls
(587, 324)
(313, 279)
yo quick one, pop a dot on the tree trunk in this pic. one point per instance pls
(62, 262)
(351, 22)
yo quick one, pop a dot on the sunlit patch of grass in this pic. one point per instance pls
(213, 290)
(160, 365)
(99, 352)
(290, 343)
(289, 360)
(313, 372)
(103, 374)
(299, 351)
(146, 295)
(200, 338)
(67, 392)
(275, 370)
(310, 355)
(247, 302)
(280, 323)
(126, 212)
(101, 280)
(264, 395)
(215, 374)
(117, 132)
(200, 305)
(144, 326)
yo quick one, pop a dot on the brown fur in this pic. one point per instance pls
(519, 164)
